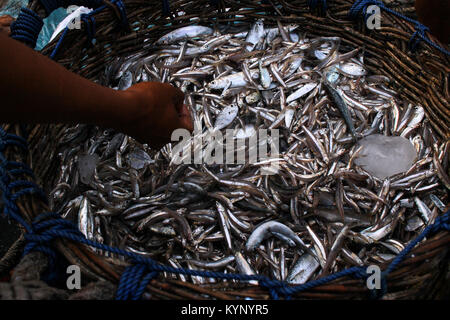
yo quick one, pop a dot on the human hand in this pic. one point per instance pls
(5, 23)
(155, 111)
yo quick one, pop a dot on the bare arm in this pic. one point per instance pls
(35, 89)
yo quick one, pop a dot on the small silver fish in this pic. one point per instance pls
(235, 80)
(226, 116)
(184, 33)
(352, 69)
(303, 269)
(255, 35)
(305, 89)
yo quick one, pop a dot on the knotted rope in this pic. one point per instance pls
(26, 28)
(359, 8)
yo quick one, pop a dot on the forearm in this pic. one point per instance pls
(35, 89)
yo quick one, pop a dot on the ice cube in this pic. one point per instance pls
(138, 159)
(384, 156)
(86, 167)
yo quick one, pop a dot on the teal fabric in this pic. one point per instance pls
(12, 8)
(50, 24)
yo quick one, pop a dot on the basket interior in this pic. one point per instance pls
(386, 53)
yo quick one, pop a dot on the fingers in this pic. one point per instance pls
(178, 98)
(161, 109)
(5, 22)
(182, 120)
(183, 117)
(186, 119)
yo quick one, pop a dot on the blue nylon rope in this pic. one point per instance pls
(123, 13)
(28, 25)
(58, 44)
(26, 28)
(359, 7)
(89, 23)
(49, 226)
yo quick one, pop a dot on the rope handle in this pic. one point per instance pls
(27, 27)
(359, 8)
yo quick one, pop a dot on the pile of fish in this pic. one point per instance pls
(322, 212)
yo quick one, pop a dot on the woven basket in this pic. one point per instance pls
(419, 78)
